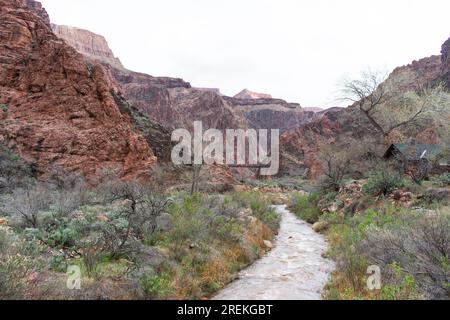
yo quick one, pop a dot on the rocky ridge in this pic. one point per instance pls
(176, 104)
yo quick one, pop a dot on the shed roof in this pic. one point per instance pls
(416, 151)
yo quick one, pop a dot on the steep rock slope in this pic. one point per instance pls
(58, 108)
(446, 63)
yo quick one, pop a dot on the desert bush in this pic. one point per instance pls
(210, 241)
(383, 181)
(398, 284)
(305, 208)
(350, 264)
(420, 245)
(14, 172)
(91, 257)
(66, 201)
(26, 206)
(133, 220)
(157, 285)
(260, 206)
(435, 196)
(443, 180)
(59, 236)
(15, 265)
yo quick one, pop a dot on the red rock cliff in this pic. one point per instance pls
(58, 108)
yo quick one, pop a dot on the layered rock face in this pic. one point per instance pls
(416, 74)
(57, 108)
(175, 104)
(299, 149)
(270, 113)
(87, 43)
(247, 94)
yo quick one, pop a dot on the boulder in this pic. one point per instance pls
(102, 217)
(320, 226)
(401, 196)
(268, 244)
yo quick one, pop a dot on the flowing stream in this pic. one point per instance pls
(293, 270)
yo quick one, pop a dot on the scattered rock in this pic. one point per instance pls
(354, 189)
(320, 226)
(268, 244)
(401, 196)
(102, 217)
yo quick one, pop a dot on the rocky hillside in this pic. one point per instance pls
(301, 147)
(56, 107)
(445, 67)
(175, 104)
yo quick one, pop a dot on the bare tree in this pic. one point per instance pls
(142, 206)
(27, 205)
(335, 166)
(385, 106)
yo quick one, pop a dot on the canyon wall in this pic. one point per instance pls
(176, 104)
(57, 108)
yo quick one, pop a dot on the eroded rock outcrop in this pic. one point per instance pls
(87, 43)
(59, 108)
(247, 94)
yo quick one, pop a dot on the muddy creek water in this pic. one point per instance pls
(293, 270)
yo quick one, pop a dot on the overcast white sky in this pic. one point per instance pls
(293, 49)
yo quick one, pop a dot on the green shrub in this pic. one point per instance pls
(15, 265)
(443, 180)
(60, 237)
(260, 206)
(304, 207)
(350, 264)
(58, 263)
(4, 107)
(383, 182)
(399, 285)
(420, 247)
(157, 286)
(435, 196)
